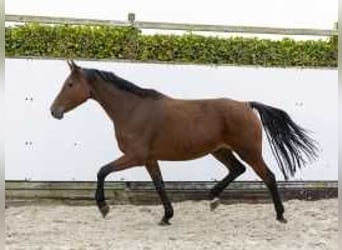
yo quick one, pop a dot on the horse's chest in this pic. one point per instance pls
(126, 140)
(123, 140)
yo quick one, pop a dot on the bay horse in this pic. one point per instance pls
(150, 126)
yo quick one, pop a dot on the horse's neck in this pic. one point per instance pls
(117, 103)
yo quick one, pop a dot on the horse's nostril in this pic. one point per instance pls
(57, 114)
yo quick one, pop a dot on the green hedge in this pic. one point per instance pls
(104, 42)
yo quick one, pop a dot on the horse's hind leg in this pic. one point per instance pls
(154, 171)
(258, 164)
(236, 168)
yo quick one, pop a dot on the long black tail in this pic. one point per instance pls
(290, 143)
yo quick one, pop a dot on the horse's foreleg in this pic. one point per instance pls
(122, 163)
(154, 171)
(236, 168)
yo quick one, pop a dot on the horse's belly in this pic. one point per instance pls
(186, 147)
(188, 130)
(174, 155)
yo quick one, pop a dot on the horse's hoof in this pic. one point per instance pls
(164, 222)
(104, 210)
(282, 220)
(214, 204)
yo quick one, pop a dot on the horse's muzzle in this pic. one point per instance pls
(57, 113)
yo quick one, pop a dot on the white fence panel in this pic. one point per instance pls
(41, 148)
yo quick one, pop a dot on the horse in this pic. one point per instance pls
(150, 126)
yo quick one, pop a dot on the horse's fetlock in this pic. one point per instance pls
(169, 212)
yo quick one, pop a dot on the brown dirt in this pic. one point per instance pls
(312, 225)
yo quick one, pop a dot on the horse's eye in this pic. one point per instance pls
(70, 85)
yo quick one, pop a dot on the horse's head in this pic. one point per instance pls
(75, 91)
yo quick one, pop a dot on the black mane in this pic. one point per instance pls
(121, 83)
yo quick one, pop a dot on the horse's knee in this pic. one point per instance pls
(101, 174)
(104, 171)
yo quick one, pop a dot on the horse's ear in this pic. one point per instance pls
(69, 64)
(72, 65)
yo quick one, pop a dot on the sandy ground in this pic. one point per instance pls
(312, 225)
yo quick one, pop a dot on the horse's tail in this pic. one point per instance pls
(291, 145)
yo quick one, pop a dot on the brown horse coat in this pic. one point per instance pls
(150, 126)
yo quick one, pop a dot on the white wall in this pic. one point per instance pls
(77, 146)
